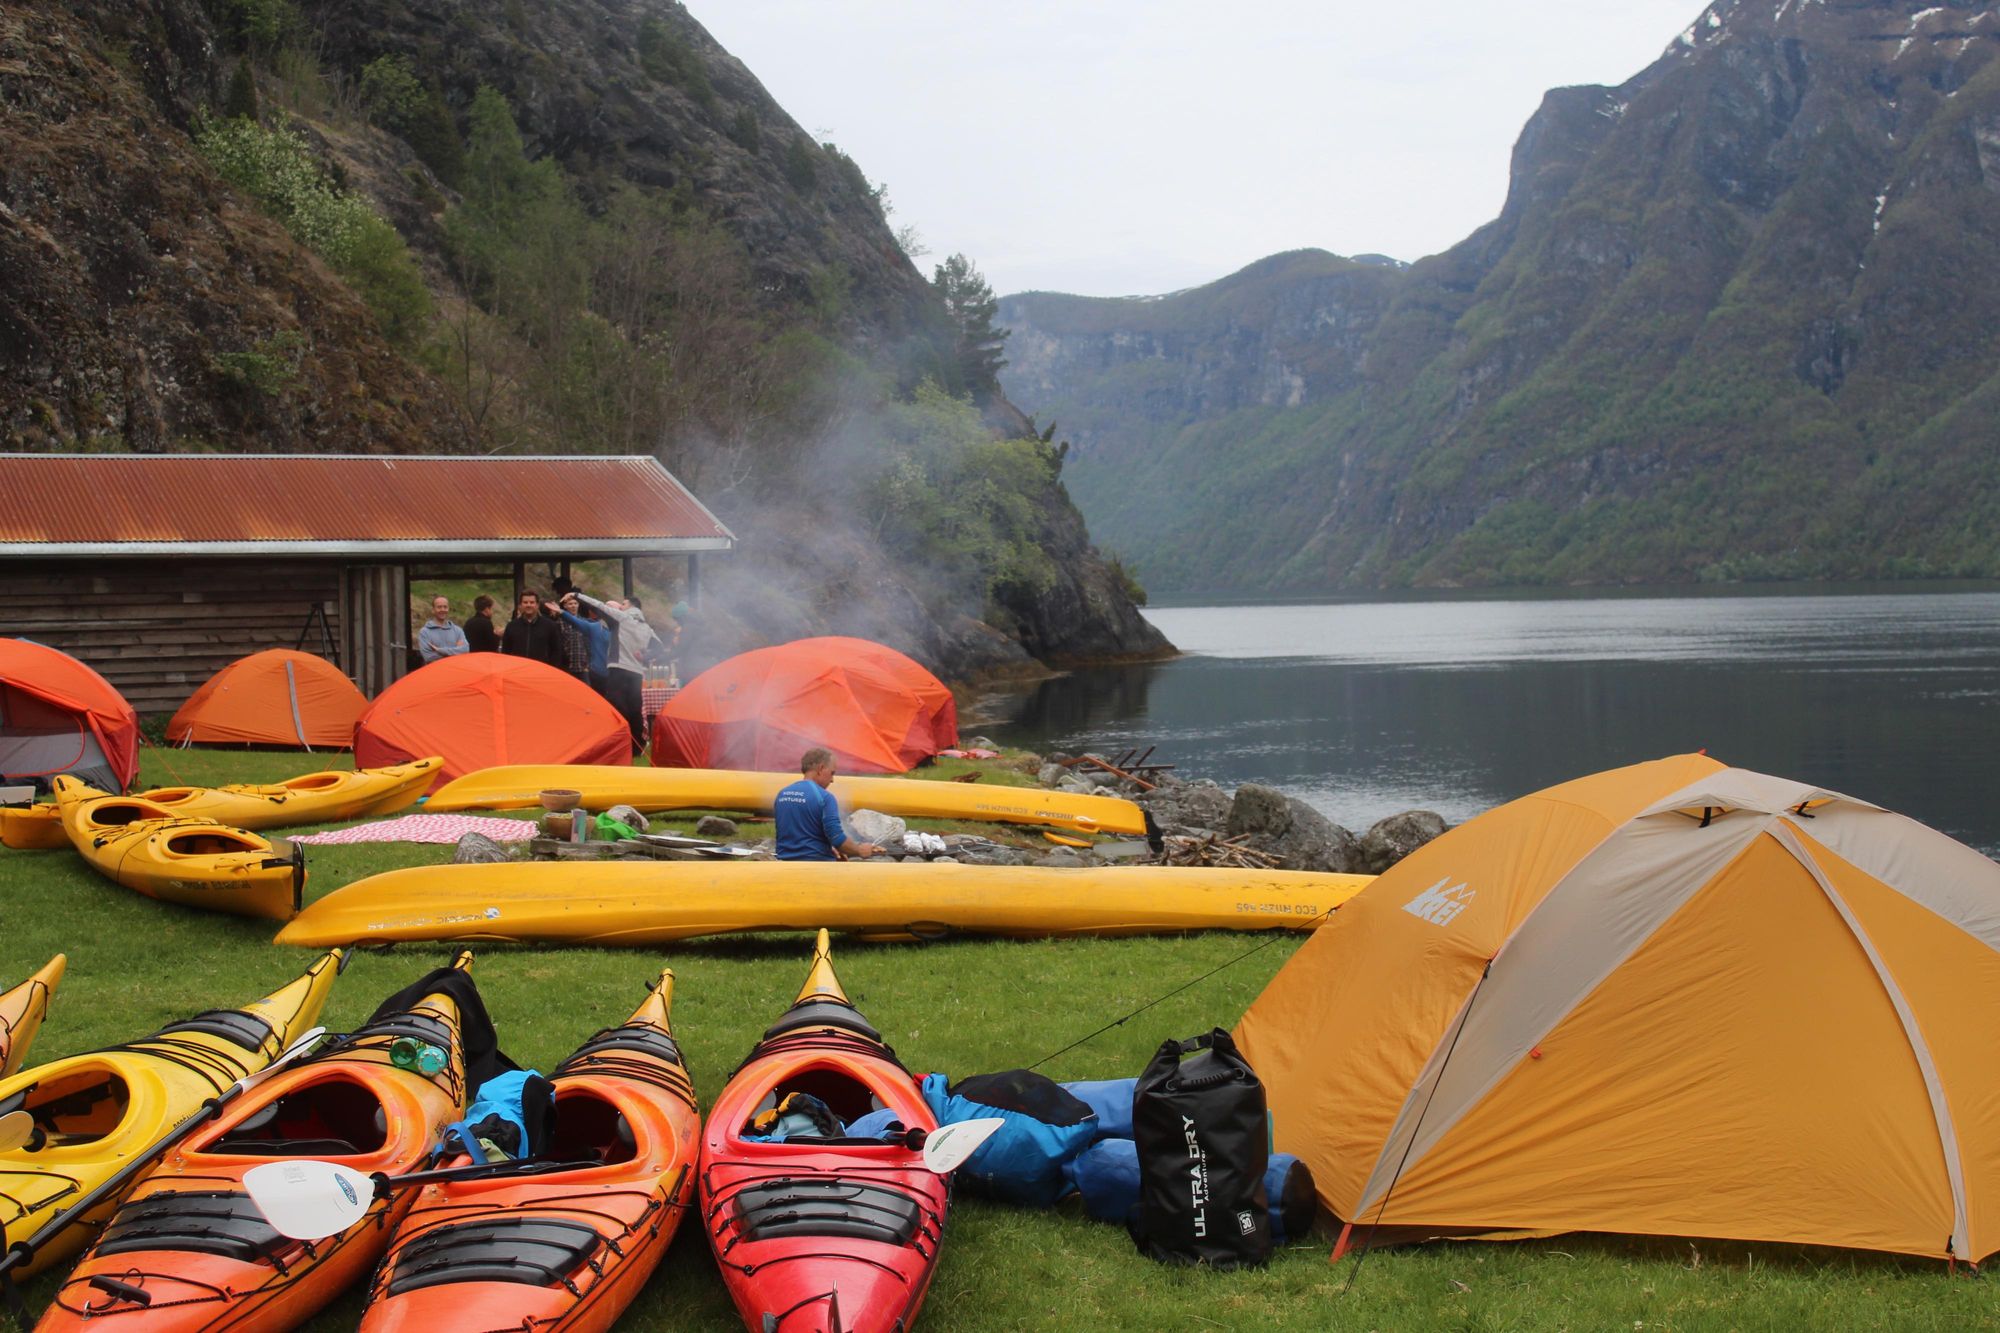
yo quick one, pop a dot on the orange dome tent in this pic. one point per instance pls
(58, 716)
(1673, 999)
(479, 710)
(276, 697)
(878, 711)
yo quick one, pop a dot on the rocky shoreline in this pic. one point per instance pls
(1199, 821)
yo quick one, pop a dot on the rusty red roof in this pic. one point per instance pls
(132, 504)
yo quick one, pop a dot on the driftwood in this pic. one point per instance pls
(1216, 850)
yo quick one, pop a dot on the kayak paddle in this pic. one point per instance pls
(947, 1146)
(21, 1251)
(16, 1128)
(310, 1200)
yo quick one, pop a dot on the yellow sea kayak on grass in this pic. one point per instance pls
(194, 862)
(654, 902)
(32, 828)
(313, 798)
(519, 786)
(22, 1010)
(93, 1113)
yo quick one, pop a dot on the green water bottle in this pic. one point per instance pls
(411, 1053)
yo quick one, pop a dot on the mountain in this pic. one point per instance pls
(559, 226)
(1737, 320)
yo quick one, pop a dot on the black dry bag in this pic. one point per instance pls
(1198, 1117)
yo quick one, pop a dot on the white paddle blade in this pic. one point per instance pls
(291, 1055)
(308, 1200)
(16, 1128)
(949, 1145)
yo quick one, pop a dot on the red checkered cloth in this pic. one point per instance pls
(427, 828)
(652, 698)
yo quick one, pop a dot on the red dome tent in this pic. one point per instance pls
(276, 697)
(480, 710)
(878, 711)
(59, 716)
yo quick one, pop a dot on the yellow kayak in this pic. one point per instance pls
(653, 903)
(93, 1113)
(32, 827)
(22, 1010)
(518, 786)
(314, 798)
(194, 862)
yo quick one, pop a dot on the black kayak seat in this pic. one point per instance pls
(536, 1252)
(222, 1222)
(822, 1014)
(831, 1206)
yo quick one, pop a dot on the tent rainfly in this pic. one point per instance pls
(276, 697)
(1673, 999)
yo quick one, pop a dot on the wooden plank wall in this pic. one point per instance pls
(158, 629)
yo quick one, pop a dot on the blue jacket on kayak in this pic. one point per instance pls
(808, 820)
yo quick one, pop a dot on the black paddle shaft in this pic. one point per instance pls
(526, 1166)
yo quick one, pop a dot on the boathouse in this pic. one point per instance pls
(160, 569)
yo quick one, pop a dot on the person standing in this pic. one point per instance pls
(439, 638)
(480, 636)
(531, 634)
(596, 636)
(626, 663)
(575, 647)
(808, 817)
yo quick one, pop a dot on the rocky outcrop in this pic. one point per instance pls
(1388, 841)
(1285, 827)
(134, 284)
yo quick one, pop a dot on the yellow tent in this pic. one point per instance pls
(1672, 999)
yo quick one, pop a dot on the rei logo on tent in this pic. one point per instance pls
(1441, 902)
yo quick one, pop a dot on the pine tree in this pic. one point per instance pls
(972, 306)
(241, 99)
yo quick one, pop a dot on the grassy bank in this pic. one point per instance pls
(962, 1007)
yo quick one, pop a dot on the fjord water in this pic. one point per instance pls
(1457, 703)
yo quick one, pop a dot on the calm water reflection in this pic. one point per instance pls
(1367, 708)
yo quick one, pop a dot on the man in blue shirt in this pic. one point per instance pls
(808, 817)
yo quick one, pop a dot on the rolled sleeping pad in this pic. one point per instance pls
(1111, 1099)
(1106, 1175)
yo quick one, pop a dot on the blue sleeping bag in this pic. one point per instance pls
(1023, 1161)
(1111, 1100)
(1106, 1174)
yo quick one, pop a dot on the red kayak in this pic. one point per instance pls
(821, 1233)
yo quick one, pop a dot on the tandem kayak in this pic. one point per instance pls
(313, 798)
(559, 1250)
(656, 902)
(193, 862)
(822, 1233)
(22, 1010)
(519, 786)
(95, 1112)
(188, 1251)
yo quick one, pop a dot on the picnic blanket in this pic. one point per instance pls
(427, 828)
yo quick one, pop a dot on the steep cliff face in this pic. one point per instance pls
(145, 304)
(1731, 323)
(133, 282)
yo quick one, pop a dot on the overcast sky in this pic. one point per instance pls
(1148, 145)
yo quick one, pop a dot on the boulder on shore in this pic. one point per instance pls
(1290, 829)
(1390, 840)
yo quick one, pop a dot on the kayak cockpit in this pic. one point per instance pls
(75, 1107)
(588, 1128)
(329, 1118)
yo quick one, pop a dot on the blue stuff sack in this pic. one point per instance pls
(1023, 1161)
(514, 1112)
(1111, 1100)
(1106, 1175)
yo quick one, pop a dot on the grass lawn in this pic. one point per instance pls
(962, 1007)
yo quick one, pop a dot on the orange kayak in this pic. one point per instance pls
(187, 1251)
(22, 1010)
(563, 1250)
(822, 1234)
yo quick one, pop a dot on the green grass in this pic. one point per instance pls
(963, 1007)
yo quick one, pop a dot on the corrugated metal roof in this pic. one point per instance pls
(129, 504)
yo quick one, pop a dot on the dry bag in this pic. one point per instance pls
(1198, 1117)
